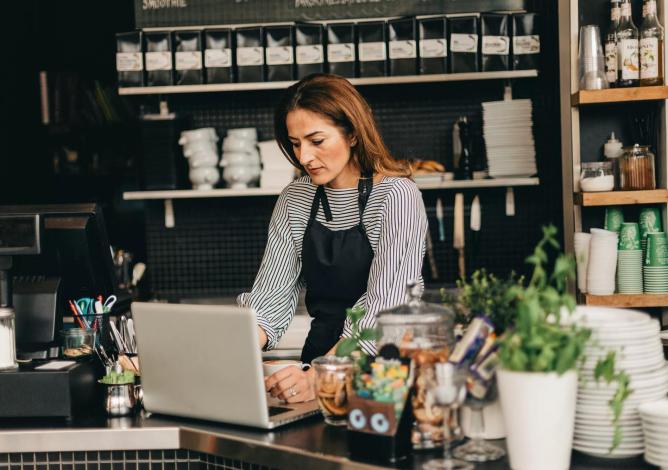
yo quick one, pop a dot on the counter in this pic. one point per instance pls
(139, 442)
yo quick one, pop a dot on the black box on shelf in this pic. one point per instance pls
(249, 54)
(279, 53)
(158, 58)
(372, 48)
(495, 43)
(402, 46)
(433, 40)
(163, 165)
(341, 50)
(188, 68)
(310, 53)
(463, 44)
(526, 41)
(218, 55)
(129, 59)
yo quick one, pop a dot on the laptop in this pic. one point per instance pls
(203, 361)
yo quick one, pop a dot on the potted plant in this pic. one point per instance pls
(539, 359)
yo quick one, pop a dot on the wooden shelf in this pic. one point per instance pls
(628, 300)
(619, 95)
(193, 193)
(223, 87)
(622, 198)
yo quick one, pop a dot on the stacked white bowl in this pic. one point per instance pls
(602, 262)
(200, 148)
(634, 336)
(241, 159)
(654, 417)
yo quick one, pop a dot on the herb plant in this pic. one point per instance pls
(118, 378)
(351, 346)
(605, 369)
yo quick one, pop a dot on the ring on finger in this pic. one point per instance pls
(292, 391)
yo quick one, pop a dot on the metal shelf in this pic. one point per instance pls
(193, 194)
(224, 87)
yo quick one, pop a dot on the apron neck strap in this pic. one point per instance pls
(320, 196)
(364, 187)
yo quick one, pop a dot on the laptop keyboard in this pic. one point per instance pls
(277, 410)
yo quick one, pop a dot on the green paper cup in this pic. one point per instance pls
(657, 249)
(650, 221)
(614, 217)
(629, 236)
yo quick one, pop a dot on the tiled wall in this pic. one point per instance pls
(122, 460)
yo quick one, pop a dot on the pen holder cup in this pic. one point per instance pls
(120, 399)
(375, 433)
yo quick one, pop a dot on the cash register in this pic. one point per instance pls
(48, 255)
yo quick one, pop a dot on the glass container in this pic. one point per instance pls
(636, 168)
(597, 176)
(7, 339)
(425, 333)
(334, 379)
(77, 343)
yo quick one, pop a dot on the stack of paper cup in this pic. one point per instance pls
(614, 217)
(629, 260)
(602, 262)
(655, 268)
(581, 243)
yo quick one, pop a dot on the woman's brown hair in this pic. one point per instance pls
(336, 99)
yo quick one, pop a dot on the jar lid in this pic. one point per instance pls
(415, 311)
(6, 312)
(597, 166)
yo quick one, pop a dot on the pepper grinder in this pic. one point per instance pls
(465, 167)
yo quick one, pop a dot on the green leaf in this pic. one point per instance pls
(346, 347)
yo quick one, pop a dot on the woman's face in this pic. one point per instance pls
(322, 149)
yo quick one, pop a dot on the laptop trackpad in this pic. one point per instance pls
(277, 410)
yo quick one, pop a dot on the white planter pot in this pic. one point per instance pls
(493, 418)
(539, 415)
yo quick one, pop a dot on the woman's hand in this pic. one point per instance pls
(292, 384)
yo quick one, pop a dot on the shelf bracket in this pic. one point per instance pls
(169, 214)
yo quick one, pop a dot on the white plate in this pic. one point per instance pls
(604, 454)
(658, 408)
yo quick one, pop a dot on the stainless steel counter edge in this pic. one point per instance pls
(167, 438)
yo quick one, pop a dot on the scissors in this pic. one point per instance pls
(109, 303)
(85, 304)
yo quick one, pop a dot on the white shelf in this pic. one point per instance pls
(222, 87)
(193, 194)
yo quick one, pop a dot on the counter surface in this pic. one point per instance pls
(306, 444)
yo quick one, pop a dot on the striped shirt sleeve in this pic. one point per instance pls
(398, 257)
(276, 288)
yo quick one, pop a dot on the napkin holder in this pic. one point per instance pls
(374, 431)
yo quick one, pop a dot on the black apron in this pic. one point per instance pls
(335, 266)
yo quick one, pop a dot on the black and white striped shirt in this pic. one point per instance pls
(396, 224)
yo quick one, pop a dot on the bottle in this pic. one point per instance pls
(651, 46)
(627, 51)
(611, 62)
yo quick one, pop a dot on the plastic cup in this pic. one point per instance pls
(657, 249)
(614, 217)
(629, 236)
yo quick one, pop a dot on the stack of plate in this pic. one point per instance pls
(509, 138)
(629, 272)
(655, 427)
(634, 336)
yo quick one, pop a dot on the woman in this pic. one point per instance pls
(352, 232)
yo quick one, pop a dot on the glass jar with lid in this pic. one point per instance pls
(636, 168)
(597, 176)
(425, 333)
(7, 339)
